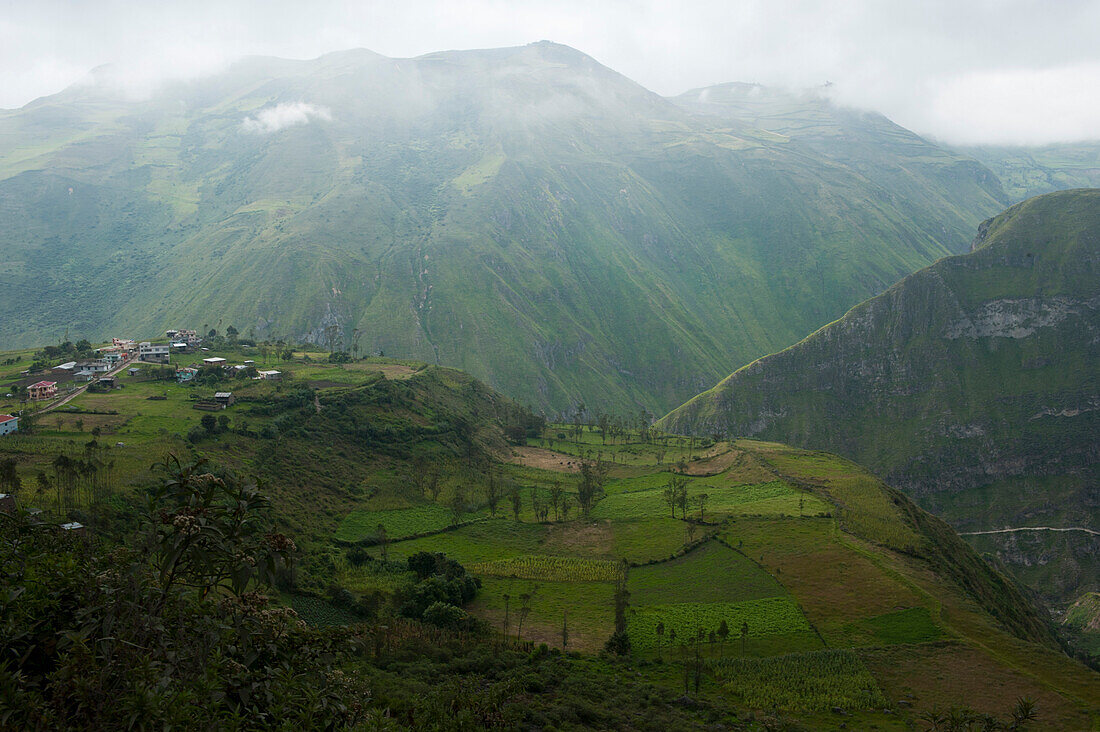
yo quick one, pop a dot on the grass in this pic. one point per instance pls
(551, 568)
(765, 617)
(647, 539)
(801, 682)
(773, 497)
(711, 573)
(399, 523)
(586, 606)
(912, 625)
(485, 541)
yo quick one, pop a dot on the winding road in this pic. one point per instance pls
(1030, 528)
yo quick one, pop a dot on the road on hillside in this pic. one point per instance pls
(1031, 528)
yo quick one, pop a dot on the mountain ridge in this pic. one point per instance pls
(971, 384)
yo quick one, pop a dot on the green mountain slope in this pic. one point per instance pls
(973, 384)
(1030, 171)
(524, 214)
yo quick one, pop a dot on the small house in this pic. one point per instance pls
(83, 375)
(8, 424)
(271, 375)
(185, 374)
(42, 390)
(69, 366)
(133, 371)
(74, 527)
(112, 358)
(107, 381)
(224, 398)
(214, 361)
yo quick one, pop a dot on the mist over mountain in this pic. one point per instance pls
(522, 213)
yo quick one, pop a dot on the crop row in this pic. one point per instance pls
(683, 622)
(552, 568)
(801, 682)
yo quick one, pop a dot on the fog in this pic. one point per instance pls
(984, 71)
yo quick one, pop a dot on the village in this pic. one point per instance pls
(44, 387)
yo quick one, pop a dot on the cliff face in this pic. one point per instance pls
(973, 384)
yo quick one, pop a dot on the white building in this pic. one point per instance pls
(271, 375)
(8, 424)
(155, 353)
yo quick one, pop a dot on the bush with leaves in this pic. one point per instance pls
(177, 633)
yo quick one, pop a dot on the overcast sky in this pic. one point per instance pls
(966, 71)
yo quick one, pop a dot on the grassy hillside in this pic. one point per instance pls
(1030, 171)
(523, 214)
(971, 384)
(798, 584)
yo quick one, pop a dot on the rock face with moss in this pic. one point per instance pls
(973, 384)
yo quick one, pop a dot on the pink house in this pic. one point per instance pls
(42, 390)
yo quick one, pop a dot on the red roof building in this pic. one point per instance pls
(8, 424)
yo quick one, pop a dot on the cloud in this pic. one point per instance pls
(985, 107)
(281, 116)
(956, 69)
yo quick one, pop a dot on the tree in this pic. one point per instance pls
(701, 499)
(231, 333)
(223, 423)
(723, 633)
(9, 475)
(209, 423)
(593, 473)
(744, 635)
(675, 494)
(690, 532)
(564, 631)
(603, 421)
(517, 502)
(458, 504)
(210, 534)
(524, 610)
(660, 636)
(670, 494)
(555, 498)
(492, 492)
(383, 541)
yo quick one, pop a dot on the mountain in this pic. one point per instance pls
(524, 214)
(973, 385)
(1029, 171)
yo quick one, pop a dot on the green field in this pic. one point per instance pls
(768, 616)
(399, 523)
(711, 573)
(551, 568)
(775, 497)
(806, 682)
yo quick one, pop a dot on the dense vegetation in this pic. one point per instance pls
(972, 385)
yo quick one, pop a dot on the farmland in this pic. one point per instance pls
(789, 554)
(808, 682)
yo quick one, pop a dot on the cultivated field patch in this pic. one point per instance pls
(801, 682)
(547, 567)
(763, 617)
(711, 573)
